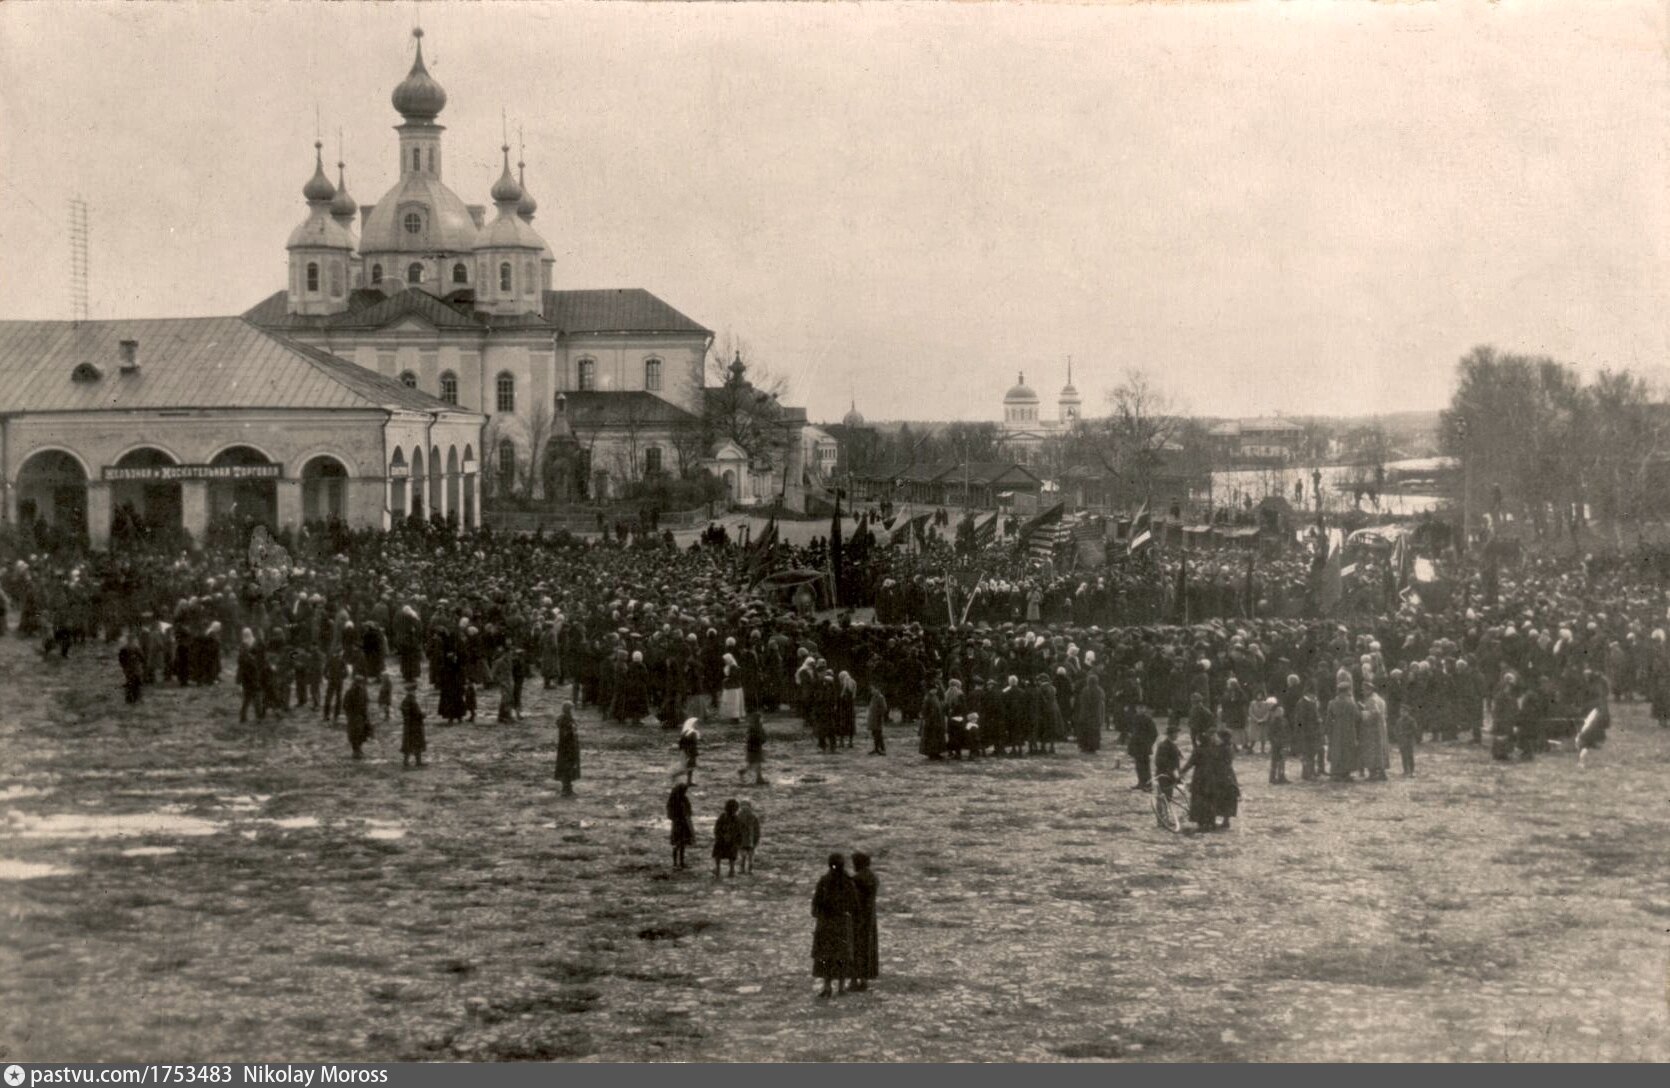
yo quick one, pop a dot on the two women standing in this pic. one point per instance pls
(844, 940)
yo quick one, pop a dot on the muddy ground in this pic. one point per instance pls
(176, 886)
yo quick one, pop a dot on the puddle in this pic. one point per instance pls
(150, 851)
(88, 826)
(384, 831)
(29, 870)
(292, 823)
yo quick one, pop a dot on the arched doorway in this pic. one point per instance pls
(472, 486)
(52, 490)
(245, 500)
(417, 479)
(324, 489)
(730, 485)
(399, 480)
(454, 484)
(145, 502)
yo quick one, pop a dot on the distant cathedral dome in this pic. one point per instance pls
(418, 97)
(853, 418)
(1021, 393)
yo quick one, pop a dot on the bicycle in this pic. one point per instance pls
(1169, 812)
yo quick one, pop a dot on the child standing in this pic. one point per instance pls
(1405, 732)
(756, 750)
(727, 834)
(682, 819)
(748, 835)
(689, 741)
(385, 694)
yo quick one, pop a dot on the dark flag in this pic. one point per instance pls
(759, 552)
(1049, 519)
(985, 531)
(835, 549)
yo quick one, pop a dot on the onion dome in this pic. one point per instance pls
(419, 97)
(342, 205)
(505, 190)
(318, 189)
(1021, 393)
(527, 205)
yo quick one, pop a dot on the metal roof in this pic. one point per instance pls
(591, 407)
(614, 310)
(199, 362)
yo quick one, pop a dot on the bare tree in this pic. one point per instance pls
(537, 428)
(1141, 423)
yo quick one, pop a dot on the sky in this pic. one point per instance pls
(1299, 207)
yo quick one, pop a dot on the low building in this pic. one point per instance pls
(180, 422)
(1266, 441)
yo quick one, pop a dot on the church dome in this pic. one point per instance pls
(853, 418)
(527, 205)
(418, 97)
(342, 205)
(1070, 394)
(442, 220)
(505, 190)
(1021, 393)
(318, 188)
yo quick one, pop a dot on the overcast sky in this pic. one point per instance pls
(1297, 207)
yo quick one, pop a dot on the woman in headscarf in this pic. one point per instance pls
(730, 695)
(1343, 718)
(933, 725)
(634, 691)
(727, 837)
(1373, 747)
(833, 904)
(875, 717)
(689, 743)
(866, 948)
(412, 738)
(568, 749)
(846, 709)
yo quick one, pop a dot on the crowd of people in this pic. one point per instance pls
(1035, 661)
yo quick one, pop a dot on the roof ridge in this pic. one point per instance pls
(326, 363)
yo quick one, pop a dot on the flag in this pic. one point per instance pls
(759, 552)
(919, 528)
(1330, 581)
(835, 550)
(1037, 536)
(1142, 530)
(1091, 528)
(985, 531)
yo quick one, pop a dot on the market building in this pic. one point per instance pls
(183, 422)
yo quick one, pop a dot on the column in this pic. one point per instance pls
(98, 513)
(11, 501)
(194, 508)
(289, 503)
(472, 481)
(440, 473)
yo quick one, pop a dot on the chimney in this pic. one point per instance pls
(478, 212)
(130, 356)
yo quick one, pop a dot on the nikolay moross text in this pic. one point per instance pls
(304, 1075)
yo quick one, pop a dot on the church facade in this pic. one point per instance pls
(585, 391)
(1024, 430)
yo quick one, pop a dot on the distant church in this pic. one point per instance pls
(1023, 431)
(457, 302)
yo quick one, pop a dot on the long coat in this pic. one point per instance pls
(866, 947)
(356, 704)
(568, 750)
(1372, 748)
(679, 814)
(833, 904)
(1090, 715)
(933, 727)
(1342, 735)
(412, 739)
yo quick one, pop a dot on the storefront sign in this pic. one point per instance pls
(169, 473)
(400, 472)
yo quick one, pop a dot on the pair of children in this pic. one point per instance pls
(736, 833)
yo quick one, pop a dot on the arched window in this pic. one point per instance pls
(417, 158)
(652, 375)
(376, 273)
(460, 274)
(530, 273)
(652, 461)
(449, 387)
(505, 387)
(336, 280)
(312, 276)
(504, 275)
(507, 464)
(588, 374)
(414, 223)
(414, 272)
(408, 379)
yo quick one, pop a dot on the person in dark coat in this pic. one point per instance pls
(1168, 761)
(689, 743)
(568, 749)
(833, 904)
(933, 726)
(866, 948)
(132, 661)
(755, 748)
(748, 830)
(412, 738)
(356, 707)
(1090, 714)
(875, 716)
(1213, 792)
(1141, 742)
(252, 677)
(727, 838)
(683, 821)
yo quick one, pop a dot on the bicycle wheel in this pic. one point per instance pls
(1168, 812)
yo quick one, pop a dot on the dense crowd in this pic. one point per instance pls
(1036, 660)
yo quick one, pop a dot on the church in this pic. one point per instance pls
(585, 391)
(1023, 431)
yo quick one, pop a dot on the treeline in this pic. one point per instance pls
(1543, 447)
